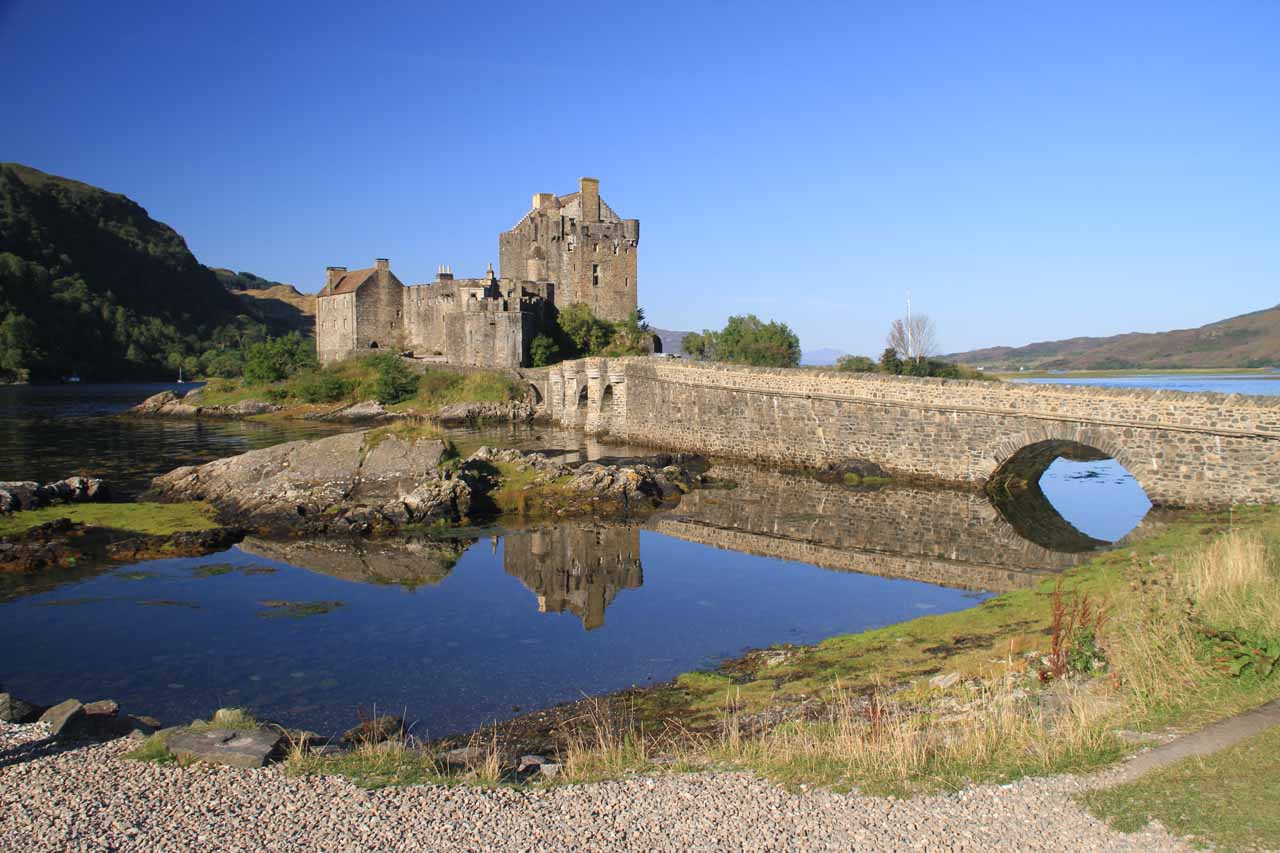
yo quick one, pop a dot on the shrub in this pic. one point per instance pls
(320, 386)
(856, 364)
(543, 351)
(749, 340)
(394, 382)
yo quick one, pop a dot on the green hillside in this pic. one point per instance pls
(1250, 340)
(91, 284)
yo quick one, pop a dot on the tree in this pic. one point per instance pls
(913, 337)
(18, 349)
(543, 351)
(699, 345)
(585, 333)
(749, 340)
(889, 361)
(630, 337)
(855, 364)
(278, 358)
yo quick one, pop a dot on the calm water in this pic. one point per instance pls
(459, 633)
(1222, 383)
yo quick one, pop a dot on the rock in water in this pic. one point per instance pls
(377, 730)
(65, 719)
(15, 710)
(234, 747)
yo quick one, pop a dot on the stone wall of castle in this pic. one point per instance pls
(335, 327)
(1184, 449)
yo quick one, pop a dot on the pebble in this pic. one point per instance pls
(91, 798)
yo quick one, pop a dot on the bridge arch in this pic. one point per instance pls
(535, 394)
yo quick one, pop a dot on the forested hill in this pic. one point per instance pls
(1249, 340)
(91, 284)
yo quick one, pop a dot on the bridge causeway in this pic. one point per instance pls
(1198, 449)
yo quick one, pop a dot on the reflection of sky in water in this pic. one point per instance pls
(451, 656)
(1100, 499)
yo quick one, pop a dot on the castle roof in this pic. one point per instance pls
(571, 206)
(350, 281)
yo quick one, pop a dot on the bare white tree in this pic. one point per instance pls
(914, 337)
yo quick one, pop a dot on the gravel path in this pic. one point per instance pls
(90, 798)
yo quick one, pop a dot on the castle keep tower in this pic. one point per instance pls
(580, 245)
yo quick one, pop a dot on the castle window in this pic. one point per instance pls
(595, 275)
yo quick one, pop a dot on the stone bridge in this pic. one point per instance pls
(1184, 449)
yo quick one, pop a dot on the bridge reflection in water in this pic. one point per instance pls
(951, 538)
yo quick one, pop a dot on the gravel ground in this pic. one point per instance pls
(90, 798)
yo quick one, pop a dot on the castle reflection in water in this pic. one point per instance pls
(951, 538)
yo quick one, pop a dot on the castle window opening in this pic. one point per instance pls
(595, 275)
(373, 344)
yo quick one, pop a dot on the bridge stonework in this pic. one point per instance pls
(1184, 449)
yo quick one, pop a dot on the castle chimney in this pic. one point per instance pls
(444, 272)
(589, 192)
(382, 263)
(332, 274)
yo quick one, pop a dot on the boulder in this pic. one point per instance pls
(66, 719)
(244, 408)
(377, 730)
(154, 404)
(466, 757)
(538, 765)
(246, 748)
(21, 495)
(511, 410)
(349, 482)
(15, 710)
(366, 410)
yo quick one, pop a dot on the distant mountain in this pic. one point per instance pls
(672, 341)
(821, 357)
(1250, 340)
(281, 306)
(91, 284)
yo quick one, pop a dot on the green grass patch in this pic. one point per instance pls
(1219, 799)
(152, 519)
(373, 768)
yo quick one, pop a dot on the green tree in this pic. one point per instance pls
(699, 345)
(543, 351)
(630, 337)
(856, 364)
(278, 358)
(585, 333)
(889, 361)
(749, 340)
(18, 349)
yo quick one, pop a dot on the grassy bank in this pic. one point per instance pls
(1214, 799)
(364, 378)
(144, 518)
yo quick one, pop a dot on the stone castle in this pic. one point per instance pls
(566, 249)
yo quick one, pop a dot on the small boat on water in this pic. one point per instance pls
(73, 378)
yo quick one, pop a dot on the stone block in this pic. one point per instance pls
(246, 748)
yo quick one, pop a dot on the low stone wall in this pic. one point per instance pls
(1184, 449)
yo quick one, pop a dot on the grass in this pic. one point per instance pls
(354, 380)
(393, 763)
(153, 519)
(1218, 799)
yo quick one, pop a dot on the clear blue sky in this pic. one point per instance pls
(1028, 170)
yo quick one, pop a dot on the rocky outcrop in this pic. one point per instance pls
(49, 545)
(365, 481)
(354, 482)
(184, 543)
(28, 494)
(169, 404)
(461, 413)
(366, 411)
